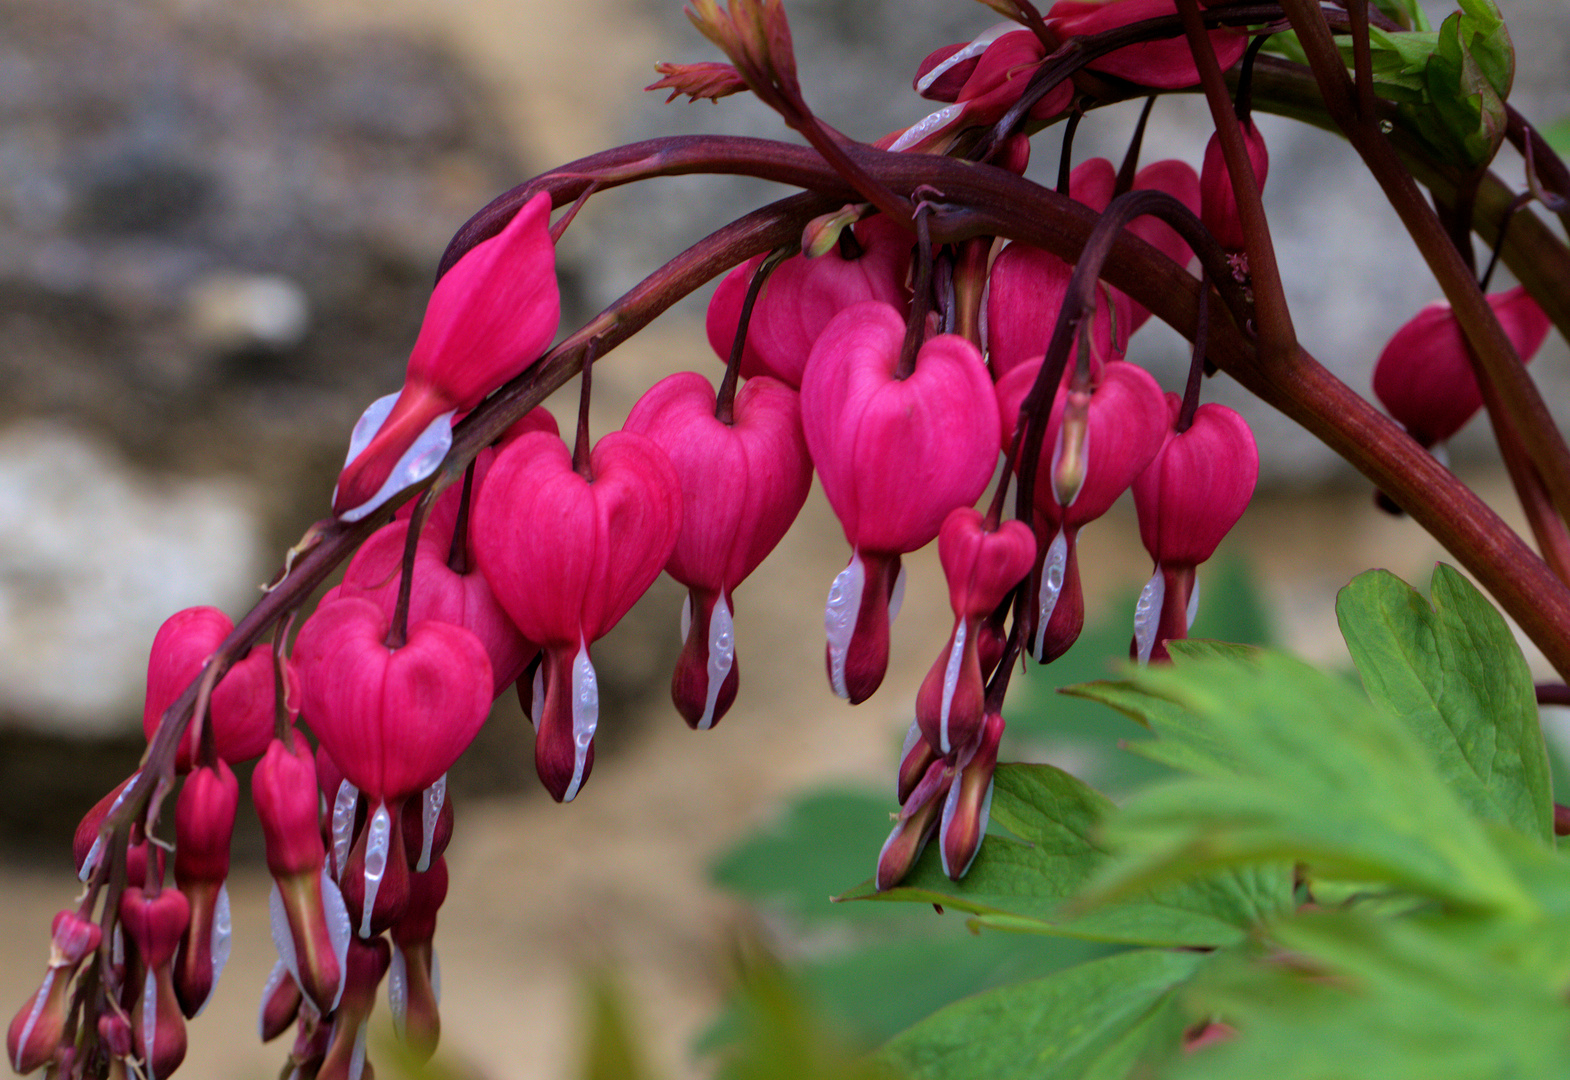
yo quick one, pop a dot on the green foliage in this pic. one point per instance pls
(1022, 885)
(1098, 1018)
(1449, 84)
(1429, 933)
(1453, 676)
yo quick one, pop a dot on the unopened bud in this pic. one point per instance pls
(280, 1003)
(969, 802)
(906, 842)
(915, 759)
(375, 880)
(345, 1057)
(115, 1033)
(411, 989)
(284, 790)
(1070, 458)
(87, 846)
(156, 924)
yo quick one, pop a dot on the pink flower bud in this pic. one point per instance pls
(567, 558)
(439, 594)
(86, 845)
(802, 295)
(489, 318)
(969, 801)
(981, 568)
(393, 719)
(204, 821)
(915, 759)
(410, 989)
(39, 1025)
(284, 790)
(156, 926)
(1424, 376)
(742, 485)
(241, 707)
(280, 1003)
(345, 1055)
(1165, 64)
(1217, 200)
(996, 70)
(35, 1033)
(1178, 179)
(918, 819)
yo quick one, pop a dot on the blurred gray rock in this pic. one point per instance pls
(218, 229)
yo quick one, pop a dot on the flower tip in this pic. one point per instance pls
(394, 445)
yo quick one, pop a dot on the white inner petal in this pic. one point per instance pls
(33, 1014)
(94, 853)
(338, 930)
(722, 657)
(378, 841)
(1147, 615)
(422, 458)
(927, 125)
(839, 618)
(398, 990)
(430, 814)
(222, 942)
(1053, 570)
(344, 804)
(277, 975)
(149, 1022)
(1193, 604)
(950, 683)
(585, 716)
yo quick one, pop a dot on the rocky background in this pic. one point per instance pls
(218, 227)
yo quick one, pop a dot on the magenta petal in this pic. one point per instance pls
(802, 295)
(1217, 199)
(565, 557)
(742, 484)
(1424, 377)
(895, 456)
(981, 566)
(1025, 293)
(493, 314)
(241, 708)
(439, 594)
(394, 720)
(1197, 487)
(1165, 65)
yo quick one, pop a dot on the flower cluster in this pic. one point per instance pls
(911, 375)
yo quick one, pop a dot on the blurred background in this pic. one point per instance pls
(218, 227)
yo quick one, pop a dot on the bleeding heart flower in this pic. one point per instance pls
(1217, 199)
(1189, 498)
(997, 69)
(490, 317)
(1424, 376)
(203, 824)
(567, 557)
(1178, 179)
(742, 485)
(1096, 442)
(895, 456)
(241, 707)
(438, 594)
(1027, 286)
(1166, 64)
(156, 925)
(981, 567)
(802, 295)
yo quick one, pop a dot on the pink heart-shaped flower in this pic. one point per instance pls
(394, 720)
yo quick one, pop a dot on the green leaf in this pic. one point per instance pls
(1322, 776)
(1092, 1019)
(1022, 885)
(1443, 998)
(1454, 676)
